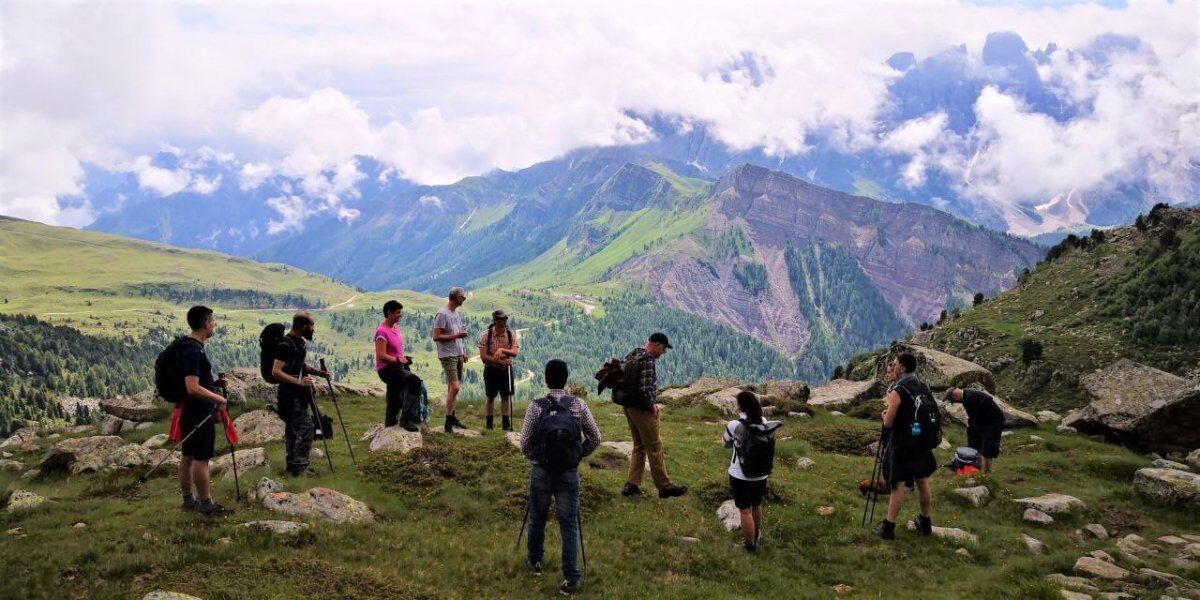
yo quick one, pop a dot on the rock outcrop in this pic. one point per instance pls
(277, 527)
(695, 390)
(1140, 406)
(1013, 417)
(247, 458)
(1169, 486)
(19, 437)
(839, 393)
(940, 371)
(1052, 503)
(140, 407)
(320, 502)
(259, 427)
(24, 501)
(396, 439)
(725, 399)
(93, 454)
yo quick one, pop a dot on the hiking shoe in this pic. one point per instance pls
(568, 587)
(631, 490)
(535, 568)
(189, 503)
(213, 510)
(924, 525)
(672, 491)
(749, 547)
(410, 427)
(885, 531)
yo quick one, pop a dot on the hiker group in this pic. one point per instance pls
(558, 429)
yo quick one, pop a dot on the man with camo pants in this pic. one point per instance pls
(295, 385)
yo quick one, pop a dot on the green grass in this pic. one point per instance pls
(450, 532)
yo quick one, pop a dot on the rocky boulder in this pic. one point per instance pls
(259, 427)
(11, 466)
(141, 407)
(20, 437)
(112, 425)
(1139, 406)
(1193, 459)
(396, 439)
(949, 533)
(277, 527)
(975, 496)
(247, 458)
(156, 441)
(165, 595)
(729, 515)
(725, 399)
(1169, 486)
(1052, 503)
(246, 384)
(23, 501)
(320, 502)
(1013, 417)
(787, 390)
(373, 391)
(940, 371)
(101, 453)
(839, 393)
(1101, 569)
(695, 390)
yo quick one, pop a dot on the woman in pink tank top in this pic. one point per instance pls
(392, 366)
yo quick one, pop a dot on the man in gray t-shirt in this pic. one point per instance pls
(448, 332)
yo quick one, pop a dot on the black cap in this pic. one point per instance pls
(499, 315)
(659, 337)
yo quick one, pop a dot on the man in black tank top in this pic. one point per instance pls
(903, 464)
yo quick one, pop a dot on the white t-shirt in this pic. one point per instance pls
(735, 467)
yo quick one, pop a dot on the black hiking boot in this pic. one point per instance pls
(507, 423)
(490, 423)
(213, 510)
(886, 530)
(568, 587)
(456, 423)
(749, 547)
(672, 491)
(631, 490)
(535, 568)
(409, 427)
(448, 427)
(189, 502)
(924, 525)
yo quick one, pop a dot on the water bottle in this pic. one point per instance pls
(916, 429)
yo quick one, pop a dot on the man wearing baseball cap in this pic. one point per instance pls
(497, 348)
(639, 396)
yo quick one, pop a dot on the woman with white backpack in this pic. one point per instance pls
(753, 443)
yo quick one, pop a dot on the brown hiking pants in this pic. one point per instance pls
(647, 443)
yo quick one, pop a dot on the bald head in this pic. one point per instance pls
(303, 324)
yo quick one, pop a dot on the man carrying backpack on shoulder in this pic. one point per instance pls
(294, 399)
(558, 431)
(197, 422)
(913, 421)
(638, 394)
(753, 443)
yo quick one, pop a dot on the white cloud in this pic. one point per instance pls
(293, 211)
(203, 186)
(438, 92)
(164, 182)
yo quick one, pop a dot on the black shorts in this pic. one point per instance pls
(901, 465)
(200, 445)
(497, 381)
(747, 494)
(986, 439)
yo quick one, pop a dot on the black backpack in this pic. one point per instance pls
(925, 432)
(268, 342)
(627, 389)
(168, 376)
(755, 449)
(557, 446)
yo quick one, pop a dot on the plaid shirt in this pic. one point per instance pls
(647, 377)
(579, 410)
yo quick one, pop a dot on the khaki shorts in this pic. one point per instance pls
(453, 366)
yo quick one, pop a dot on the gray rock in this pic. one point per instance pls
(1066, 429)
(1052, 503)
(11, 466)
(19, 437)
(937, 369)
(836, 413)
(694, 391)
(963, 552)
(949, 533)
(798, 415)
(1169, 486)
(1158, 577)
(1172, 540)
(1034, 545)
(258, 427)
(1094, 567)
(804, 462)
(277, 527)
(325, 503)
(467, 433)
(266, 486)
(514, 439)
(133, 408)
(1033, 515)
(1013, 417)
(1133, 545)
(1069, 595)
(1140, 406)
(164, 595)
(247, 459)
(143, 426)
(1102, 555)
(22, 501)
(729, 515)
(157, 441)
(112, 425)
(1068, 581)
(1048, 416)
(1193, 459)
(1162, 463)
(725, 400)
(843, 393)
(976, 496)
(93, 454)
(1097, 530)
(396, 439)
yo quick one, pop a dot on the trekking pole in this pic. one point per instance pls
(582, 551)
(237, 486)
(312, 397)
(333, 395)
(524, 519)
(872, 493)
(146, 477)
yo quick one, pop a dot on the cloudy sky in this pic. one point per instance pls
(442, 91)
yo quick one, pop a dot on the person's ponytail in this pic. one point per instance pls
(748, 403)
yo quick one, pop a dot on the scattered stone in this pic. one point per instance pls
(20, 437)
(1172, 540)
(164, 595)
(314, 453)
(246, 384)
(842, 588)
(937, 369)
(689, 539)
(514, 439)
(168, 457)
(1048, 416)
(963, 552)
(80, 525)
(157, 441)
(976, 496)
(395, 438)
(826, 511)
(1102, 555)
(1117, 596)
(836, 413)
(693, 391)
(277, 527)
(1191, 537)
(625, 448)
(1158, 577)
(1005, 434)
(804, 462)
(1066, 429)
(319, 502)
(133, 408)
(1097, 530)
(467, 433)
(93, 454)
(1036, 438)
(843, 392)
(1069, 595)
(225, 541)
(11, 466)
(725, 400)
(1137, 405)
(1163, 463)
(1192, 550)
(6, 454)
(798, 415)
(729, 516)
(14, 531)
(247, 459)
(1094, 567)
(1033, 515)
(30, 474)
(1052, 503)
(266, 486)
(370, 433)
(1075, 583)
(1132, 544)
(112, 425)
(948, 533)
(259, 427)
(23, 501)
(789, 390)
(1184, 563)
(1013, 417)
(146, 425)
(944, 445)
(1169, 486)
(1193, 459)
(1034, 545)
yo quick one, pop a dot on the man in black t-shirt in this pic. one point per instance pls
(201, 401)
(293, 397)
(905, 467)
(985, 422)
